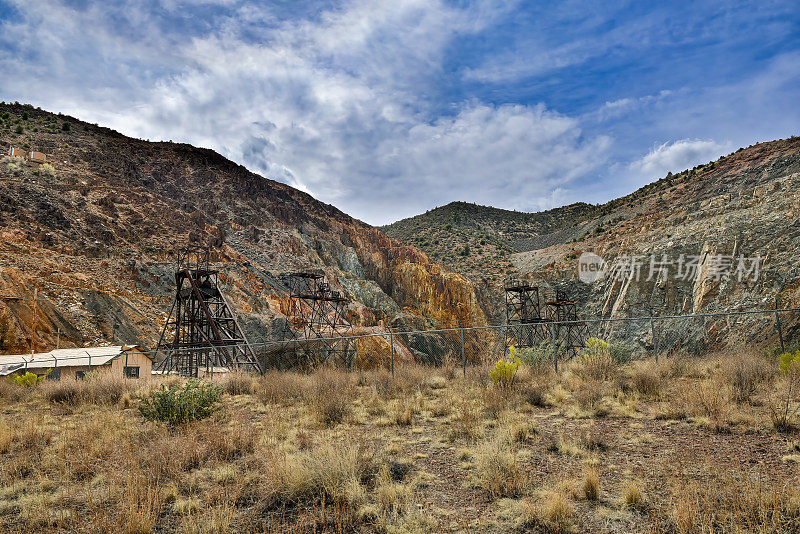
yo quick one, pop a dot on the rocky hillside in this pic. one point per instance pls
(741, 206)
(479, 240)
(95, 231)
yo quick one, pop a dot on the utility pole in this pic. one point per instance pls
(35, 311)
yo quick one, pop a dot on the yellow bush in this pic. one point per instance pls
(504, 371)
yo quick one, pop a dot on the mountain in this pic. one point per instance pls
(95, 231)
(739, 207)
(479, 240)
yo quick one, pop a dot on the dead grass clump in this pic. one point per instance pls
(552, 513)
(103, 387)
(632, 495)
(333, 394)
(330, 471)
(10, 391)
(238, 384)
(647, 380)
(498, 471)
(745, 373)
(65, 391)
(734, 503)
(591, 484)
(404, 412)
(283, 387)
(466, 420)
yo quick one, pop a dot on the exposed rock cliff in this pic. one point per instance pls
(96, 233)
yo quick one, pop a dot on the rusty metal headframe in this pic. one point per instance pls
(205, 333)
(316, 326)
(523, 317)
(571, 335)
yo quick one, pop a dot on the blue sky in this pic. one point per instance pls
(387, 109)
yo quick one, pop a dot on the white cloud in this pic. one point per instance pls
(342, 105)
(679, 155)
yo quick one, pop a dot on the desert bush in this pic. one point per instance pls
(28, 380)
(404, 412)
(621, 352)
(177, 405)
(632, 494)
(46, 169)
(330, 471)
(734, 503)
(11, 391)
(744, 373)
(504, 372)
(238, 384)
(536, 356)
(65, 391)
(553, 513)
(104, 387)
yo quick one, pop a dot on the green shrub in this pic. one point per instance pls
(65, 126)
(29, 379)
(177, 404)
(536, 356)
(620, 351)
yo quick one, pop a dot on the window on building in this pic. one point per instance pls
(54, 374)
(80, 375)
(131, 372)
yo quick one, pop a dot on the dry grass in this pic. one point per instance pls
(498, 470)
(430, 450)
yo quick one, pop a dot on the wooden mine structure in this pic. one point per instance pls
(527, 326)
(317, 328)
(571, 336)
(205, 333)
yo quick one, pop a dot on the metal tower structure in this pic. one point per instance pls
(570, 336)
(524, 322)
(204, 332)
(317, 328)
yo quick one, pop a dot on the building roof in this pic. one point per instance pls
(81, 356)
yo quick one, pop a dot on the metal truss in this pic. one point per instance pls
(525, 325)
(205, 333)
(571, 336)
(317, 329)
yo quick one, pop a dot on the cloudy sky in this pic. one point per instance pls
(387, 109)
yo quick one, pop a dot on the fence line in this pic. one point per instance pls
(453, 342)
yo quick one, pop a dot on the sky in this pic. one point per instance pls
(387, 109)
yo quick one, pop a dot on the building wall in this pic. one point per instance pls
(135, 358)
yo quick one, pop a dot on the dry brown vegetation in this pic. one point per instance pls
(677, 446)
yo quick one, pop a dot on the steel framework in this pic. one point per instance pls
(525, 325)
(317, 328)
(571, 336)
(205, 333)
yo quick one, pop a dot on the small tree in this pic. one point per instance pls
(784, 404)
(65, 126)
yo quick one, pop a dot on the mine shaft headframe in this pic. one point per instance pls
(523, 314)
(205, 330)
(570, 333)
(317, 314)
